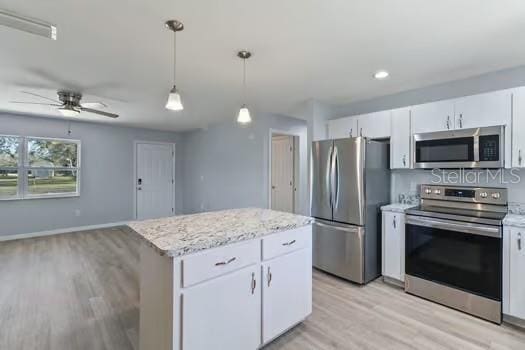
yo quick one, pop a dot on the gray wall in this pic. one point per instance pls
(106, 176)
(499, 80)
(227, 166)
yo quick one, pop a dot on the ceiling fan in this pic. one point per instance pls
(69, 105)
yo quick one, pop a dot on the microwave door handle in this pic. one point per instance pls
(476, 148)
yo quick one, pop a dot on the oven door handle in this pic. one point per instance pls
(464, 227)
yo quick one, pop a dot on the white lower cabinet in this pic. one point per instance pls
(287, 293)
(223, 313)
(393, 246)
(514, 272)
(236, 297)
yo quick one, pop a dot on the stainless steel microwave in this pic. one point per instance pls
(462, 148)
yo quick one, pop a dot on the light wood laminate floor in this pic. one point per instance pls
(80, 291)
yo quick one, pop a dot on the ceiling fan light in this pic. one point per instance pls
(244, 116)
(174, 101)
(68, 111)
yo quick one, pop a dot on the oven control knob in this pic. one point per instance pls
(483, 194)
(496, 195)
(438, 192)
(428, 191)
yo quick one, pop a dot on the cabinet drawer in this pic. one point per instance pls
(212, 263)
(288, 241)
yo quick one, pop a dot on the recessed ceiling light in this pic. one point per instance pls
(381, 74)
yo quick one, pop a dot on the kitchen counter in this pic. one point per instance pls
(256, 262)
(397, 207)
(514, 220)
(180, 235)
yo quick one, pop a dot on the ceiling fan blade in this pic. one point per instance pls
(37, 95)
(95, 111)
(94, 105)
(36, 103)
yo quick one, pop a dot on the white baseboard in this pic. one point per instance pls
(61, 230)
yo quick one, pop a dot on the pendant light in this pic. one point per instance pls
(244, 116)
(174, 101)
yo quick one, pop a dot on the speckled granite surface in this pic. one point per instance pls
(180, 235)
(397, 207)
(516, 208)
(514, 220)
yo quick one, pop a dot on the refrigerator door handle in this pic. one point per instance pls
(328, 177)
(335, 177)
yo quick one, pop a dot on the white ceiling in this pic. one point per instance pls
(119, 52)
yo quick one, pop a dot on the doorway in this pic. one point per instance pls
(284, 172)
(154, 180)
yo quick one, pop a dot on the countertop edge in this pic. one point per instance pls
(242, 238)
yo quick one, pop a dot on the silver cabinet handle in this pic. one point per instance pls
(404, 160)
(254, 283)
(351, 132)
(461, 120)
(289, 243)
(229, 261)
(448, 122)
(361, 132)
(520, 158)
(269, 276)
(394, 222)
(519, 241)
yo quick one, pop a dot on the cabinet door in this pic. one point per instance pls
(518, 129)
(430, 117)
(223, 313)
(489, 109)
(287, 292)
(375, 125)
(392, 245)
(517, 271)
(343, 127)
(400, 155)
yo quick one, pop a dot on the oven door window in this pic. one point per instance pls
(469, 262)
(445, 150)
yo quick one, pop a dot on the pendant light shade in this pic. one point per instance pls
(174, 101)
(244, 117)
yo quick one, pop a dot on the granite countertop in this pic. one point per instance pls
(397, 207)
(514, 220)
(180, 235)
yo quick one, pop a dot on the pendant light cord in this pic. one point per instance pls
(174, 57)
(244, 81)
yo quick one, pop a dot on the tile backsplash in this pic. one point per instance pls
(405, 183)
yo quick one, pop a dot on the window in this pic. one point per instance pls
(33, 167)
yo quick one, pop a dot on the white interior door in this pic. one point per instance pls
(155, 181)
(283, 173)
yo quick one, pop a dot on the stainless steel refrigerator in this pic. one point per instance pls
(350, 182)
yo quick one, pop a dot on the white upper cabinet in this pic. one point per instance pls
(435, 116)
(489, 109)
(375, 125)
(518, 134)
(342, 127)
(400, 155)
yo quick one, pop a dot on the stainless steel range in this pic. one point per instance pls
(453, 251)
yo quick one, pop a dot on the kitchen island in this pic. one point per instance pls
(233, 279)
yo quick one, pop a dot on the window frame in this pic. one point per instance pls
(24, 167)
